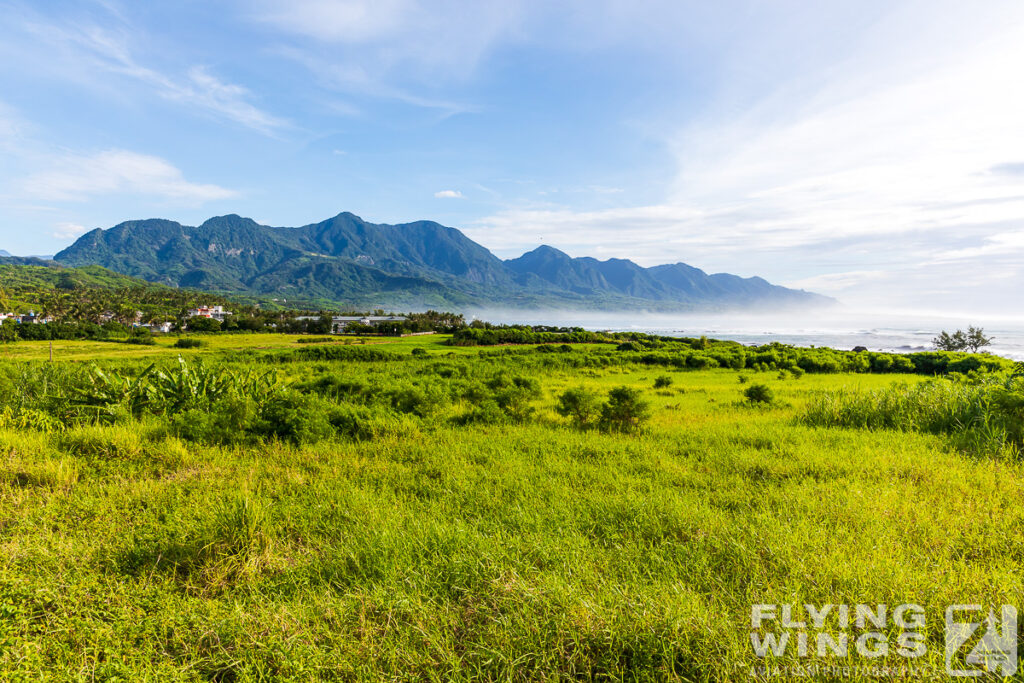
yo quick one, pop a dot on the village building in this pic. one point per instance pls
(339, 323)
(214, 312)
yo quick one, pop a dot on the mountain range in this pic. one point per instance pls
(350, 262)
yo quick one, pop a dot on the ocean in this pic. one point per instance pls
(898, 332)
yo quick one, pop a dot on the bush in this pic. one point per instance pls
(419, 352)
(187, 343)
(662, 382)
(296, 418)
(141, 336)
(203, 325)
(485, 412)
(626, 411)
(419, 401)
(229, 422)
(579, 405)
(759, 393)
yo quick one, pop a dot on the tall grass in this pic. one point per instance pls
(981, 414)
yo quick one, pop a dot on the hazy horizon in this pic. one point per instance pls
(836, 327)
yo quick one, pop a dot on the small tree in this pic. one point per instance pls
(950, 342)
(625, 411)
(973, 340)
(976, 339)
(759, 393)
(662, 382)
(580, 405)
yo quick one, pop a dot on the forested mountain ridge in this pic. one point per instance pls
(356, 263)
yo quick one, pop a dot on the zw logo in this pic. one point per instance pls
(995, 651)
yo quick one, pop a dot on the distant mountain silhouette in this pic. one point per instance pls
(349, 261)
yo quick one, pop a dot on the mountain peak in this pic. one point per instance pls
(345, 259)
(548, 250)
(229, 220)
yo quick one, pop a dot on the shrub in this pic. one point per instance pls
(337, 387)
(662, 382)
(355, 422)
(203, 325)
(515, 403)
(419, 401)
(579, 405)
(296, 418)
(485, 412)
(141, 336)
(759, 393)
(419, 352)
(230, 422)
(626, 411)
(187, 343)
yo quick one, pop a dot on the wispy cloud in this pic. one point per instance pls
(109, 49)
(399, 50)
(445, 38)
(1013, 169)
(359, 76)
(860, 160)
(77, 178)
(68, 231)
(449, 194)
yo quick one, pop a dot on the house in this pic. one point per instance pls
(34, 318)
(163, 327)
(340, 322)
(216, 312)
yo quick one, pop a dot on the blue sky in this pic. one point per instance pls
(873, 151)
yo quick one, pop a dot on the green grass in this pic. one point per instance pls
(437, 550)
(77, 350)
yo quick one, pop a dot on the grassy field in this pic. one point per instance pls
(430, 536)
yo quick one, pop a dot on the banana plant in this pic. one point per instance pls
(105, 392)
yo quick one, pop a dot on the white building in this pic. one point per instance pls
(340, 322)
(215, 312)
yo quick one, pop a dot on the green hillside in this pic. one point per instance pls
(88, 291)
(356, 264)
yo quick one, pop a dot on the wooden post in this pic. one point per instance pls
(51, 350)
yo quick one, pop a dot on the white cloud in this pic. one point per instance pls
(109, 49)
(836, 282)
(349, 21)
(449, 194)
(441, 36)
(68, 231)
(400, 50)
(77, 177)
(225, 99)
(870, 160)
